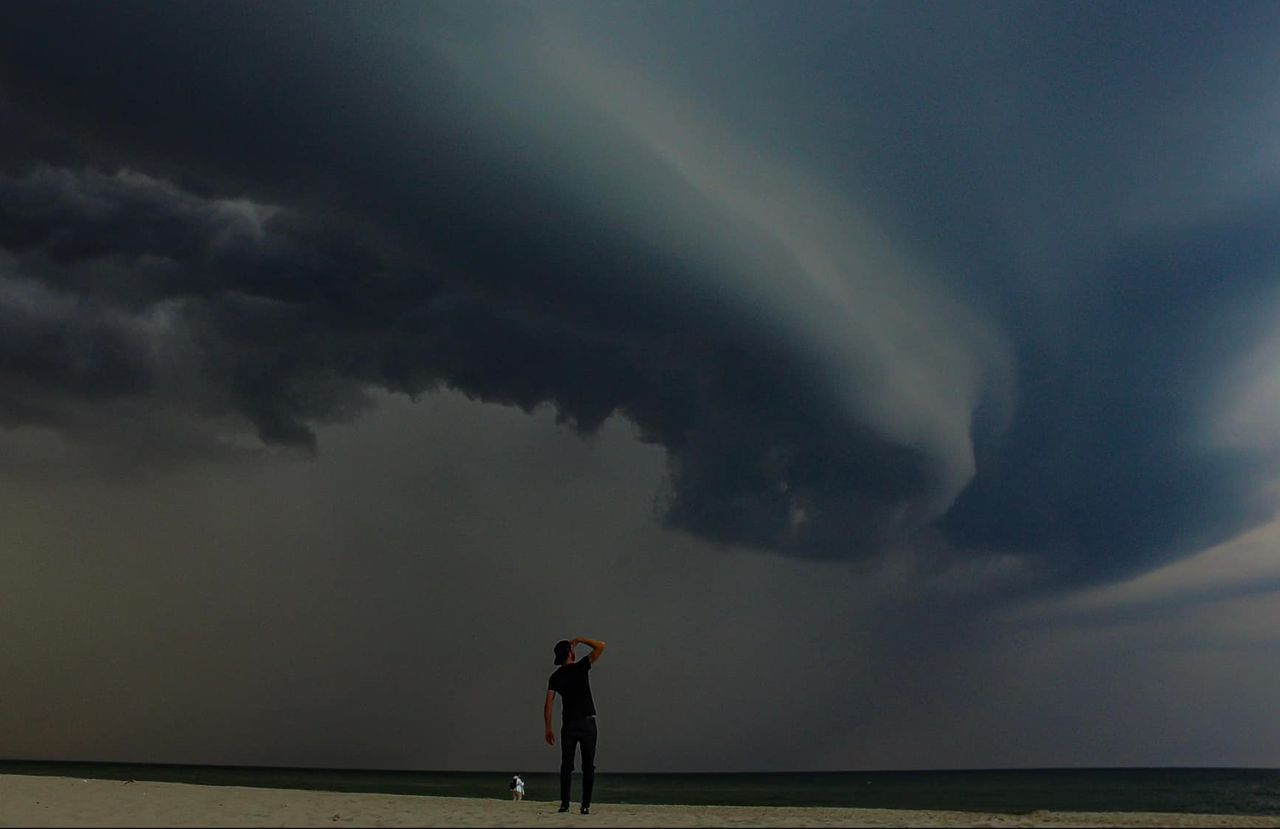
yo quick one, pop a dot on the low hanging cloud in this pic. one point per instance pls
(235, 309)
(423, 198)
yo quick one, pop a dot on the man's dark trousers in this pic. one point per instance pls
(576, 733)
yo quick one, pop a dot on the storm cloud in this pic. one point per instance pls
(923, 352)
(848, 333)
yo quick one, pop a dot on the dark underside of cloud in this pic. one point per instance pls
(253, 215)
(1104, 457)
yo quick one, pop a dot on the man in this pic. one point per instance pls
(577, 715)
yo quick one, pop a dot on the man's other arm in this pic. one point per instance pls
(597, 647)
(546, 717)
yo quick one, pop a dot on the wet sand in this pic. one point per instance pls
(27, 800)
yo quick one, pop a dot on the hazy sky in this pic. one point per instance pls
(890, 385)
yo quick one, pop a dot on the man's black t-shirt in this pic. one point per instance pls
(574, 687)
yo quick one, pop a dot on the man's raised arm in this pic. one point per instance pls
(597, 647)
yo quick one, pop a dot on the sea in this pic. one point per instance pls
(1241, 791)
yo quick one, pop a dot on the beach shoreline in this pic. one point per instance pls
(32, 800)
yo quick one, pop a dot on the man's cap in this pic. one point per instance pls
(562, 651)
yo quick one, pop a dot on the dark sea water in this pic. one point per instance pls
(1223, 791)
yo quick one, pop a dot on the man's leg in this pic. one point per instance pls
(588, 762)
(568, 745)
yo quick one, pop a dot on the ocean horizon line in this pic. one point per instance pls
(5, 761)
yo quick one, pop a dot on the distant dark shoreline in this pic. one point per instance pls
(1242, 791)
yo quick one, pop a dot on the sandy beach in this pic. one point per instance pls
(59, 801)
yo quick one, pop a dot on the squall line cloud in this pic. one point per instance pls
(415, 198)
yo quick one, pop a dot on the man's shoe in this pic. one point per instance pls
(564, 807)
(586, 810)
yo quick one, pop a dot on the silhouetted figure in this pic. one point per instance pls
(577, 715)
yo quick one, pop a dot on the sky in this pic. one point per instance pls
(891, 385)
